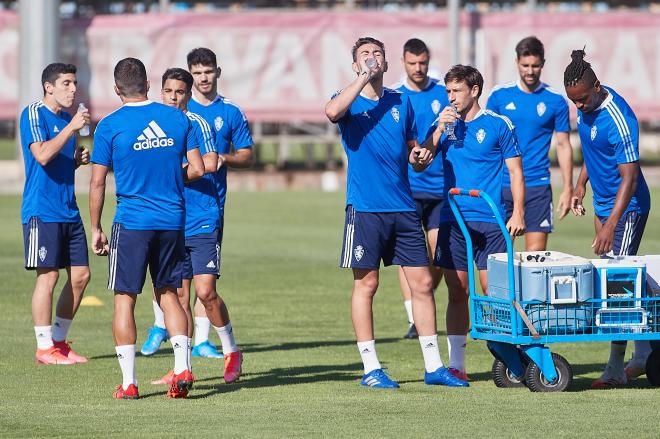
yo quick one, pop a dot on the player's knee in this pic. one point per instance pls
(80, 280)
(423, 286)
(206, 295)
(458, 295)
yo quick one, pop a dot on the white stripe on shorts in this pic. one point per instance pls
(348, 239)
(627, 236)
(33, 243)
(114, 241)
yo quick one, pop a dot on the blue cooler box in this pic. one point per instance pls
(552, 287)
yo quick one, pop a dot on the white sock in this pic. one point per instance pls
(431, 353)
(190, 353)
(408, 305)
(226, 334)
(642, 352)
(61, 328)
(44, 336)
(180, 347)
(159, 317)
(202, 328)
(617, 354)
(457, 345)
(368, 353)
(126, 357)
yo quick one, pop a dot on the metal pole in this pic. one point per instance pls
(453, 10)
(39, 38)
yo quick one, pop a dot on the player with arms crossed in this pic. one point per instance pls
(378, 131)
(231, 131)
(427, 96)
(609, 134)
(53, 231)
(536, 111)
(202, 220)
(475, 155)
(144, 143)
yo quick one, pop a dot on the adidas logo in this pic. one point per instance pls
(120, 357)
(57, 324)
(210, 265)
(365, 351)
(176, 346)
(510, 106)
(152, 136)
(545, 223)
(430, 345)
(55, 129)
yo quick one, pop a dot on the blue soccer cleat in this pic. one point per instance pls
(379, 379)
(207, 350)
(154, 339)
(443, 377)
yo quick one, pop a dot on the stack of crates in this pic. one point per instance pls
(553, 288)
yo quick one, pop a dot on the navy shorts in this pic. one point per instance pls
(451, 251)
(202, 255)
(393, 237)
(538, 207)
(428, 209)
(54, 245)
(628, 233)
(131, 251)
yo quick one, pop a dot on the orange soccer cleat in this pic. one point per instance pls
(165, 379)
(460, 374)
(66, 350)
(130, 393)
(181, 384)
(52, 355)
(233, 366)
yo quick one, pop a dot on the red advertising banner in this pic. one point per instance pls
(283, 66)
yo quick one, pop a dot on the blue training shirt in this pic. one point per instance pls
(202, 212)
(476, 161)
(610, 137)
(231, 129)
(49, 190)
(535, 115)
(145, 143)
(374, 135)
(427, 104)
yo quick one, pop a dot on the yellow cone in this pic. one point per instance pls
(91, 301)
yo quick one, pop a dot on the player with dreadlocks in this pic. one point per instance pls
(610, 145)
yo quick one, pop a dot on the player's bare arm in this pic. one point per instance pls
(240, 159)
(420, 157)
(96, 201)
(336, 108)
(44, 152)
(565, 159)
(516, 224)
(605, 236)
(195, 167)
(210, 162)
(579, 192)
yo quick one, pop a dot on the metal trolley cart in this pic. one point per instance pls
(538, 298)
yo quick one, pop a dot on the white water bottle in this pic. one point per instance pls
(451, 126)
(84, 131)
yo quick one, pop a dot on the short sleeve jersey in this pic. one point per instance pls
(427, 104)
(231, 130)
(476, 161)
(202, 213)
(374, 134)
(536, 116)
(145, 143)
(610, 137)
(49, 190)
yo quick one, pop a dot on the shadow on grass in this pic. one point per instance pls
(280, 377)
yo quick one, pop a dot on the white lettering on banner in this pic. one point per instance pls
(241, 65)
(626, 61)
(8, 69)
(336, 61)
(288, 74)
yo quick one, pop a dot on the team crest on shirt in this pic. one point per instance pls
(358, 252)
(395, 114)
(594, 132)
(578, 119)
(481, 135)
(540, 108)
(218, 122)
(42, 253)
(435, 106)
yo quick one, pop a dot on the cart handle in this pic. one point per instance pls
(476, 193)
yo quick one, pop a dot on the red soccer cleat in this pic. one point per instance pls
(181, 384)
(52, 355)
(233, 366)
(66, 350)
(168, 379)
(130, 393)
(460, 374)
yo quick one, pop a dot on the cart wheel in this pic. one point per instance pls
(653, 368)
(537, 382)
(503, 377)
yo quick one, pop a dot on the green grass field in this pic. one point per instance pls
(290, 308)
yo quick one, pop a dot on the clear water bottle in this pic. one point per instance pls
(84, 131)
(450, 126)
(371, 63)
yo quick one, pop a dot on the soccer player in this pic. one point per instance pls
(231, 132)
(144, 143)
(483, 144)
(53, 231)
(610, 145)
(378, 132)
(202, 223)
(536, 111)
(427, 96)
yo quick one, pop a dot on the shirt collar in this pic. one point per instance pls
(138, 104)
(216, 99)
(519, 84)
(607, 100)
